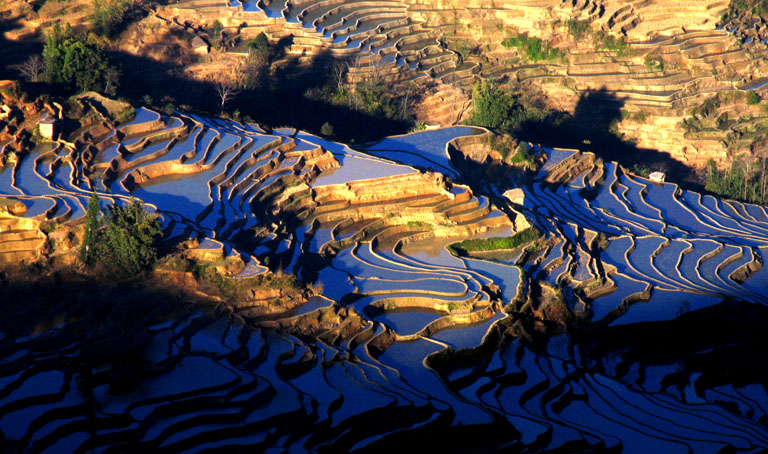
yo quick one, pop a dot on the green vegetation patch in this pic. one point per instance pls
(463, 248)
(654, 63)
(123, 242)
(578, 29)
(603, 40)
(523, 154)
(496, 109)
(78, 61)
(109, 15)
(745, 179)
(609, 42)
(756, 7)
(534, 49)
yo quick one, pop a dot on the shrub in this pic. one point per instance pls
(108, 15)
(602, 242)
(419, 126)
(88, 247)
(756, 7)
(496, 109)
(709, 107)
(493, 244)
(753, 98)
(578, 29)
(75, 60)
(259, 45)
(640, 169)
(692, 124)
(491, 106)
(609, 42)
(654, 63)
(534, 49)
(326, 129)
(375, 98)
(216, 30)
(122, 242)
(740, 181)
(523, 154)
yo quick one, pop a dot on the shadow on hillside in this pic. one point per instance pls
(592, 128)
(279, 100)
(724, 344)
(110, 318)
(282, 102)
(15, 52)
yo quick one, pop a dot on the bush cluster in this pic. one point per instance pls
(494, 108)
(493, 244)
(744, 180)
(534, 49)
(122, 242)
(578, 29)
(78, 61)
(108, 15)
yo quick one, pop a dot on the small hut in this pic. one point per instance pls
(657, 177)
(47, 127)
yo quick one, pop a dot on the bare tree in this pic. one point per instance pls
(32, 68)
(762, 177)
(253, 71)
(339, 72)
(111, 81)
(354, 68)
(758, 151)
(227, 90)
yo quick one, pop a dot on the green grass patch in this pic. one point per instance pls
(578, 29)
(609, 42)
(535, 49)
(493, 244)
(654, 63)
(523, 154)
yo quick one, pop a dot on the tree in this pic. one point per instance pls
(111, 81)
(108, 15)
(32, 68)
(339, 72)
(227, 90)
(254, 71)
(326, 129)
(491, 106)
(75, 60)
(125, 244)
(88, 248)
(216, 31)
(259, 45)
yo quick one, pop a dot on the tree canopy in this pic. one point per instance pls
(108, 15)
(88, 247)
(75, 60)
(492, 106)
(124, 240)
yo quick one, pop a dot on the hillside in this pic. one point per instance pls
(377, 225)
(650, 63)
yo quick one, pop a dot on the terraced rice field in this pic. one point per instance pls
(380, 34)
(213, 381)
